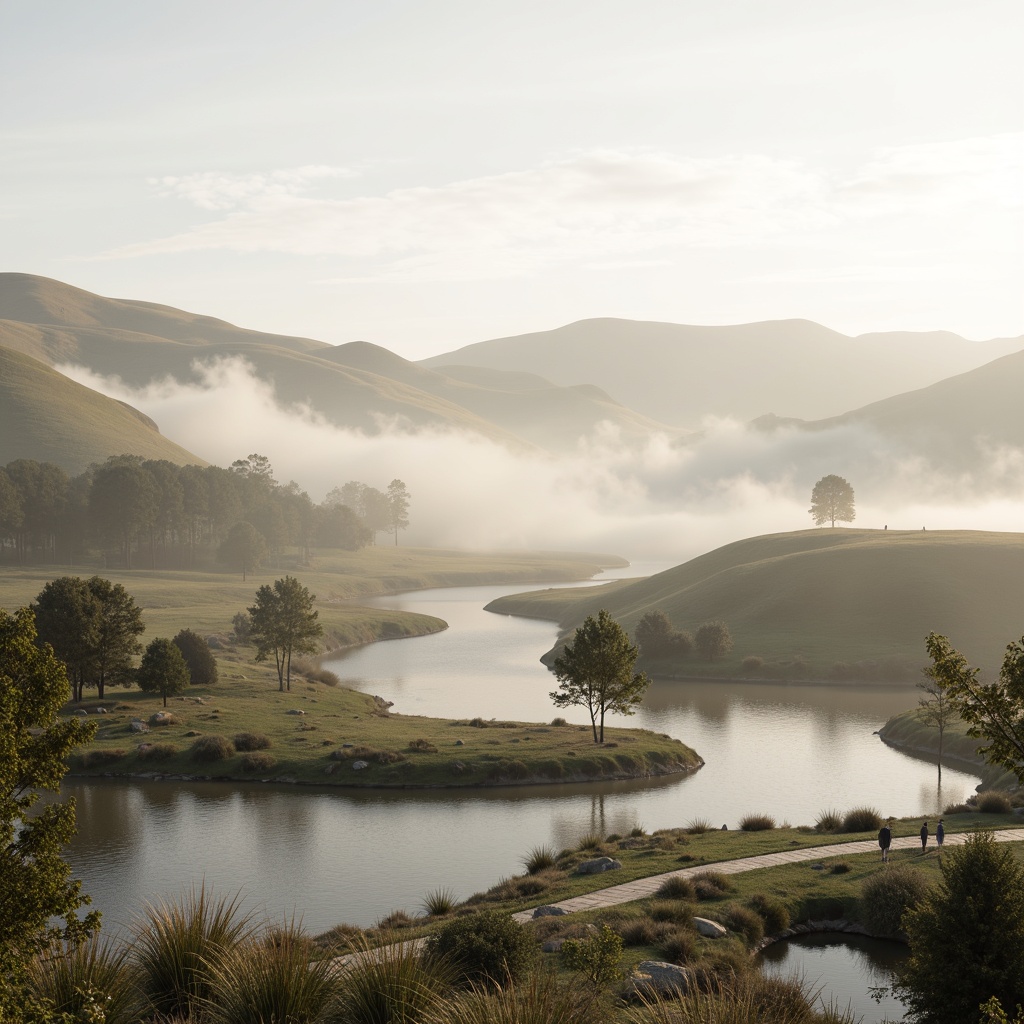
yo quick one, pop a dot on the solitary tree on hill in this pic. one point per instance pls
(595, 672)
(832, 501)
(284, 623)
(163, 670)
(712, 640)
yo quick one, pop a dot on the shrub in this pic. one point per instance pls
(98, 758)
(202, 666)
(771, 910)
(638, 931)
(180, 946)
(257, 762)
(540, 858)
(439, 902)
(591, 841)
(752, 663)
(156, 751)
(558, 722)
(274, 979)
(314, 673)
(887, 895)
(422, 746)
(957, 809)
(698, 826)
(991, 801)
(674, 911)
(709, 885)
(862, 819)
(211, 748)
(241, 624)
(488, 948)
(746, 921)
(756, 823)
(551, 768)
(840, 867)
(829, 820)
(679, 946)
(251, 741)
(676, 887)
(598, 958)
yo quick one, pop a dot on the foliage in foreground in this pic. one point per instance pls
(486, 948)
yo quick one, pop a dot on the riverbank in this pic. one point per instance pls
(910, 734)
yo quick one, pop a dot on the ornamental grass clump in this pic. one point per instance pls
(251, 741)
(257, 762)
(274, 978)
(540, 858)
(771, 910)
(757, 823)
(211, 748)
(156, 751)
(710, 885)
(862, 819)
(86, 980)
(180, 945)
(676, 887)
(98, 758)
(991, 801)
(539, 999)
(829, 820)
(698, 826)
(887, 895)
(439, 902)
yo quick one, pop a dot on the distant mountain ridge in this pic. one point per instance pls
(680, 374)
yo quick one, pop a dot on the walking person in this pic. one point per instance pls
(885, 841)
(940, 834)
(924, 836)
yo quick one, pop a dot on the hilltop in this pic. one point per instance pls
(828, 604)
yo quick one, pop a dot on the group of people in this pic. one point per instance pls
(885, 837)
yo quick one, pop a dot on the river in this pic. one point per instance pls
(329, 855)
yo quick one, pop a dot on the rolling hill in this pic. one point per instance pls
(679, 374)
(46, 417)
(356, 386)
(823, 604)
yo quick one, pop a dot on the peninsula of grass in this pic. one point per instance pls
(243, 728)
(818, 606)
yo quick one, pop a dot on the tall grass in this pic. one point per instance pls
(439, 902)
(862, 819)
(756, 823)
(181, 944)
(829, 820)
(539, 999)
(273, 980)
(540, 858)
(698, 826)
(86, 980)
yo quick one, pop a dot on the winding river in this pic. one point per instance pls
(329, 856)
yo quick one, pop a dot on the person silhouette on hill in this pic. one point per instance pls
(924, 836)
(940, 834)
(885, 841)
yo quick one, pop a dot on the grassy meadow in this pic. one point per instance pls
(840, 605)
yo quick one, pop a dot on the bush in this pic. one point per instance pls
(756, 823)
(709, 885)
(487, 948)
(314, 673)
(212, 748)
(257, 762)
(558, 722)
(241, 624)
(991, 801)
(251, 741)
(540, 858)
(598, 958)
(202, 666)
(957, 809)
(752, 663)
(156, 751)
(591, 841)
(676, 887)
(829, 821)
(771, 910)
(422, 746)
(679, 946)
(746, 921)
(698, 826)
(98, 758)
(887, 895)
(862, 819)
(673, 911)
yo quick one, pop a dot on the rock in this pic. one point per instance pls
(101, 711)
(345, 746)
(295, 711)
(460, 743)
(654, 978)
(550, 911)
(596, 866)
(358, 766)
(710, 929)
(82, 713)
(138, 725)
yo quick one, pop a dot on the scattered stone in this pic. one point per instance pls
(550, 911)
(360, 765)
(82, 713)
(817, 867)
(460, 743)
(295, 711)
(654, 978)
(138, 725)
(101, 711)
(710, 929)
(596, 866)
(346, 745)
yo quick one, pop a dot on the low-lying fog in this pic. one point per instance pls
(608, 496)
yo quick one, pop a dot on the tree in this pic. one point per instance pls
(118, 626)
(202, 665)
(123, 501)
(284, 623)
(966, 936)
(339, 527)
(994, 711)
(712, 640)
(832, 500)
(67, 618)
(376, 511)
(656, 637)
(244, 548)
(935, 708)
(595, 672)
(39, 902)
(163, 670)
(398, 507)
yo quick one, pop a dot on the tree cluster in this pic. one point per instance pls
(153, 512)
(658, 638)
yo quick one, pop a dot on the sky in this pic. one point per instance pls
(426, 175)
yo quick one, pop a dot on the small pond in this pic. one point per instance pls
(846, 970)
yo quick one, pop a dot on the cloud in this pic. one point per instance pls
(213, 190)
(657, 499)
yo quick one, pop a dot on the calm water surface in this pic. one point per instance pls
(329, 855)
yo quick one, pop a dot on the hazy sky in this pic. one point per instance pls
(423, 175)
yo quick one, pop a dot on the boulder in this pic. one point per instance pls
(710, 929)
(295, 711)
(549, 911)
(358, 766)
(138, 725)
(596, 866)
(655, 978)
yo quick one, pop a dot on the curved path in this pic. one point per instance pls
(643, 888)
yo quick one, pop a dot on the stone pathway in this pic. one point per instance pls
(643, 888)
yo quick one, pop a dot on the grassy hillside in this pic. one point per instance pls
(824, 604)
(745, 370)
(46, 417)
